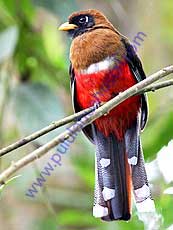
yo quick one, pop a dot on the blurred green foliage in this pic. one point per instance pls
(34, 91)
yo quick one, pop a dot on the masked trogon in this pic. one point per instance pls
(103, 64)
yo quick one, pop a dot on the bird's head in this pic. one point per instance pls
(85, 21)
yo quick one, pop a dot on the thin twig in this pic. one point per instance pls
(47, 129)
(56, 124)
(138, 88)
(157, 86)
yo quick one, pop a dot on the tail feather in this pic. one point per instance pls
(139, 175)
(114, 179)
(119, 165)
(99, 208)
(134, 151)
(132, 140)
(121, 203)
(142, 192)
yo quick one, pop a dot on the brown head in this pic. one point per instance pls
(85, 21)
(94, 38)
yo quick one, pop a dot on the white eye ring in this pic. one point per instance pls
(87, 19)
(84, 18)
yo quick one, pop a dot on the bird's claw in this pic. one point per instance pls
(98, 104)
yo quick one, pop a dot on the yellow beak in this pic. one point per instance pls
(67, 26)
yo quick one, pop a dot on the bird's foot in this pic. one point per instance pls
(98, 104)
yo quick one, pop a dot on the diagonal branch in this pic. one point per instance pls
(84, 121)
(56, 124)
(156, 86)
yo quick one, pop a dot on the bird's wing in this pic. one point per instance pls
(137, 70)
(88, 129)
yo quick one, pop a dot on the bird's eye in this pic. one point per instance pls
(83, 20)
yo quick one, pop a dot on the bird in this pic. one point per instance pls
(103, 63)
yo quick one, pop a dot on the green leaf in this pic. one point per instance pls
(8, 40)
(36, 106)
